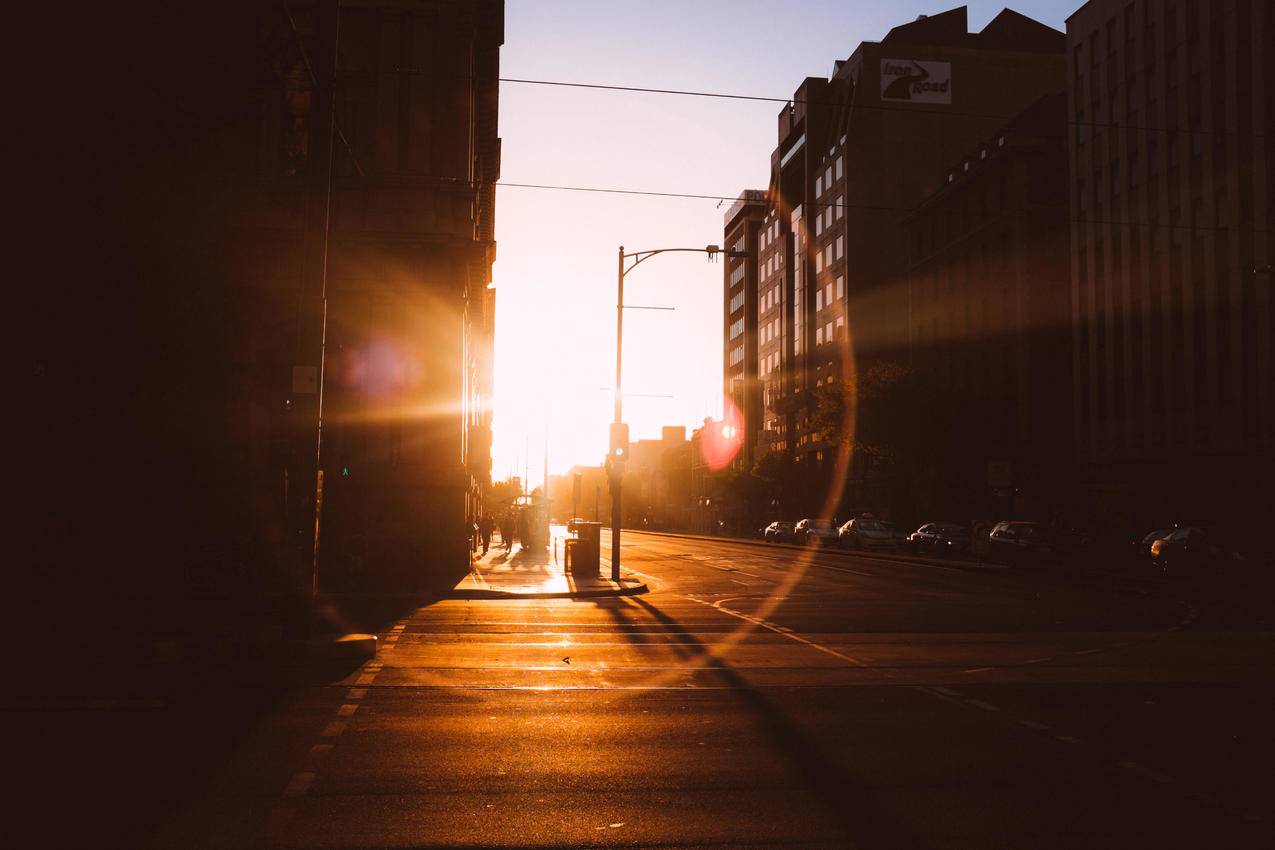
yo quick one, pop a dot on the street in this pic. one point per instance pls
(870, 704)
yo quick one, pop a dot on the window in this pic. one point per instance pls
(841, 204)
(819, 225)
(827, 295)
(841, 246)
(827, 332)
(840, 170)
(818, 336)
(827, 177)
(841, 287)
(819, 262)
(736, 328)
(818, 299)
(819, 185)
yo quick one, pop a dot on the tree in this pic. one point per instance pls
(900, 428)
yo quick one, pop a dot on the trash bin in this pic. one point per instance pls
(586, 552)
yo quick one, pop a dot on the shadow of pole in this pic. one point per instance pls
(841, 795)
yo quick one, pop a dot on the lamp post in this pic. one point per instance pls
(616, 459)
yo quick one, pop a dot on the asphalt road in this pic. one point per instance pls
(766, 697)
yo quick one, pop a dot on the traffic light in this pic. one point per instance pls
(619, 442)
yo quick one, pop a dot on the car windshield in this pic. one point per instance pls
(869, 525)
(953, 530)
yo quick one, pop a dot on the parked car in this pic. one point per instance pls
(922, 540)
(1142, 546)
(866, 533)
(1018, 543)
(1194, 548)
(940, 538)
(815, 532)
(950, 539)
(779, 532)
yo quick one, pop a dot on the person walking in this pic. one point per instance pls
(507, 531)
(485, 527)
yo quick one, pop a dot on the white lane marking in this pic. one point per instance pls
(986, 706)
(779, 630)
(356, 693)
(298, 784)
(1088, 651)
(1032, 724)
(978, 669)
(334, 729)
(347, 710)
(1036, 660)
(1144, 771)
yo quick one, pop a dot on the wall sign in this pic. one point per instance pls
(916, 82)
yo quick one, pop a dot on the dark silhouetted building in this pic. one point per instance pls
(989, 316)
(284, 210)
(1171, 122)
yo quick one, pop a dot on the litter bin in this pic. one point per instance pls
(585, 550)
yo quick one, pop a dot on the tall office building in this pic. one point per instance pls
(1170, 145)
(856, 152)
(740, 385)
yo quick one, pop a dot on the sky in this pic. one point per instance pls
(555, 272)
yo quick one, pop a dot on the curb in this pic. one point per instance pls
(878, 556)
(474, 595)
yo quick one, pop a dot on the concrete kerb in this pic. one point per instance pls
(601, 593)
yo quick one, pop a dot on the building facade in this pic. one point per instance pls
(301, 214)
(1172, 320)
(856, 152)
(989, 309)
(743, 222)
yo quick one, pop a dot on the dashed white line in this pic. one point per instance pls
(347, 710)
(298, 784)
(1144, 771)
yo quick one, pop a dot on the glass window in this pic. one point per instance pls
(827, 295)
(841, 205)
(827, 331)
(819, 262)
(841, 246)
(839, 168)
(841, 286)
(819, 185)
(818, 336)
(818, 299)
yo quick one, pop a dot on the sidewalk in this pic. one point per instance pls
(528, 574)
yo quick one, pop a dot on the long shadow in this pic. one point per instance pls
(841, 795)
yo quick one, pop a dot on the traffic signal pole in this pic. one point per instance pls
(617, 472)
(616, 462)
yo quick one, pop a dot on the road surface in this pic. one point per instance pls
(767, 697)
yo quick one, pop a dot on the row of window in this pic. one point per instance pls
(824, 181)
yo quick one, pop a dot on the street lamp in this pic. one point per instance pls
(615, 459)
